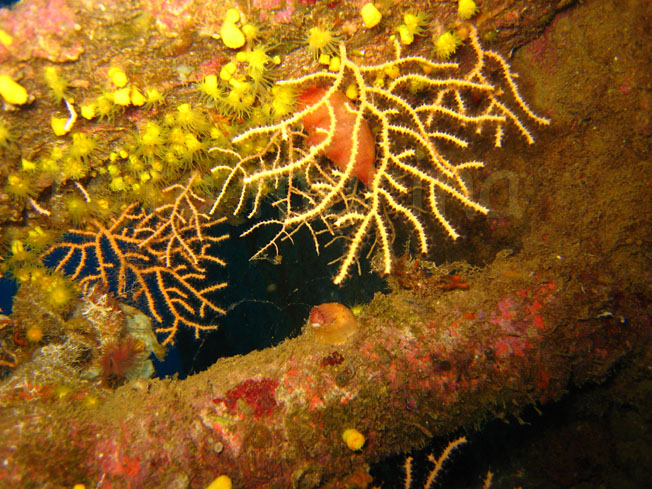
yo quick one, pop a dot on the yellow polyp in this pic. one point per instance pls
(209, 86)
(5, 38)
(232, 15)
(446, 44)
(466, 9)
(250, 31)
(411, 21)
(11, 91)
(231, 35)
(137, 98)
(34, 334)
(335, 63)
(321, 41)
(88, 111)
(103, 204)
(406, 35)
(353, 439)
(392, 71)
(118, 184)
(222, 482)
(371, 16)
(154, 96)
(351, 91)
(357, 309)
(28, 165)
(122, 97)
(55, 82)
(16, 246)
(60, 126)
(227, 71)
(118, 77)
(324, 59)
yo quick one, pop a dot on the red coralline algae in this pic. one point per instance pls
(333, 358)
(340, 148)
(41, 29)
(258, 394)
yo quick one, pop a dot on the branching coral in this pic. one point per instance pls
(411, 149)
(158, 257)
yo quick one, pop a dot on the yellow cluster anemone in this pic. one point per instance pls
(414, 24)
(20, 186)
(83, 146)
(258, 63)
(321, 41)
(73, 169)
(151, 140)
(77, 208)
(466, 9)
(208, 88)
(153, 97)
(38, 239)
(118, 77)
(446, 44)
(283, 100)
(59, 292)
(190, 118)
(241, 83)
(55, 82)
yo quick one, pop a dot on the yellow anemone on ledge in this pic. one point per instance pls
(446, 44)
(321, 42)
(466, 8)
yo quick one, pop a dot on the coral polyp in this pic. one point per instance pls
(321, 41)
(446, 44)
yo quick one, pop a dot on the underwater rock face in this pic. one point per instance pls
(569, 304)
